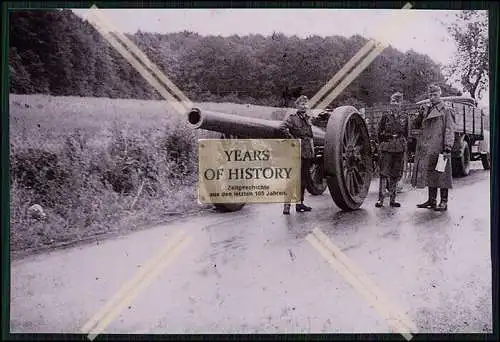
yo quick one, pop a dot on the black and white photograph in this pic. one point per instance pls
(390, 235)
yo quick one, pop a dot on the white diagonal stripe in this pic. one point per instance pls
(150, 264)
(147, 281)
(341, 73)
(369, 45)
(356, 271)
(351, 77)
(142, 57)
(102, 28)
(394, 322)
(147, 76)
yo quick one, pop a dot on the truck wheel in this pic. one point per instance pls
(348, 158)
(485, 160)
(461, 165)
(317, 182)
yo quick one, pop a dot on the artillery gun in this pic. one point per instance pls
(342, 150)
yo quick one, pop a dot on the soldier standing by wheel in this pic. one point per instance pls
(298, 126)
(392, 135)
(437, 122)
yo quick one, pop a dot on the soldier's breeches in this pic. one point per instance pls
(304, 178)
(393, 182)
(391, 164)
(381, 187)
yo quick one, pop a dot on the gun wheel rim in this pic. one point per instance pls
(317, 183)
(348, 158)
(354, 164)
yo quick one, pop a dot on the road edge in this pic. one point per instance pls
(19, 255)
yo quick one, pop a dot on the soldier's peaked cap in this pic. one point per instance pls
(433, 88)
(301, 98)
(397, 97)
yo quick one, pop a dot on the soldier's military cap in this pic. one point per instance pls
(432, 88)
(397, 97)
(300, 99)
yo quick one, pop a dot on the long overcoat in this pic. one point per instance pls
(437, 124)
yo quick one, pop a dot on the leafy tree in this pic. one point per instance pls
(470, 66)
(57, 52)
(20, 80)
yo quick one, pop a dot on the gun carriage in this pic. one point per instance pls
(346, 147)
(342, 149)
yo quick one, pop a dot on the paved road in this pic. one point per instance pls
(252, 271)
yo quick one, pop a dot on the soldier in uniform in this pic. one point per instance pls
(298, 126)
(437, 122)
(392, 136)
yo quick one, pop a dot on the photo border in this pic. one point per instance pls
(493, 25)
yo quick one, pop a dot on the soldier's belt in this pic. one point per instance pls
(390, 139)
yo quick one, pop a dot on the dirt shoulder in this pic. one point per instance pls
(98, 237)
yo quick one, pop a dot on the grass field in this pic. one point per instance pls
(99, 166)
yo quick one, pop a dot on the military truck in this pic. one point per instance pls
(471, 135)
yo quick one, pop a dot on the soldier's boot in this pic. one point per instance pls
(286, 209)
(443, 204)
(381, 189)
(393, 190)
(302, 207)
(431, 202)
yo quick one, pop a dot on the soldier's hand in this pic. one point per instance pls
(447, 153)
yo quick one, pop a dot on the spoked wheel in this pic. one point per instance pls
(461, 165)
(228, 207)
(348, 158)
(486, 161)
(317, 182)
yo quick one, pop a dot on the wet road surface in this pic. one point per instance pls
(253, 272)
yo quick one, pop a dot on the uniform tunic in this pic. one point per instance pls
(297, 126)
(392, 135)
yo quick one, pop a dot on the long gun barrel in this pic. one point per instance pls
(243, 127)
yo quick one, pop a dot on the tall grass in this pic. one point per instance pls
(98, 165)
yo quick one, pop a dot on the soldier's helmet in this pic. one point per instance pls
(396, 98)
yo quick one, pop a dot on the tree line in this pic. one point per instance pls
(56, 52)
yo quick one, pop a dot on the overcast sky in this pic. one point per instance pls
(420, 30)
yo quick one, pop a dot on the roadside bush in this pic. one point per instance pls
(87, 187)
(179, 148)
(44, 173)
